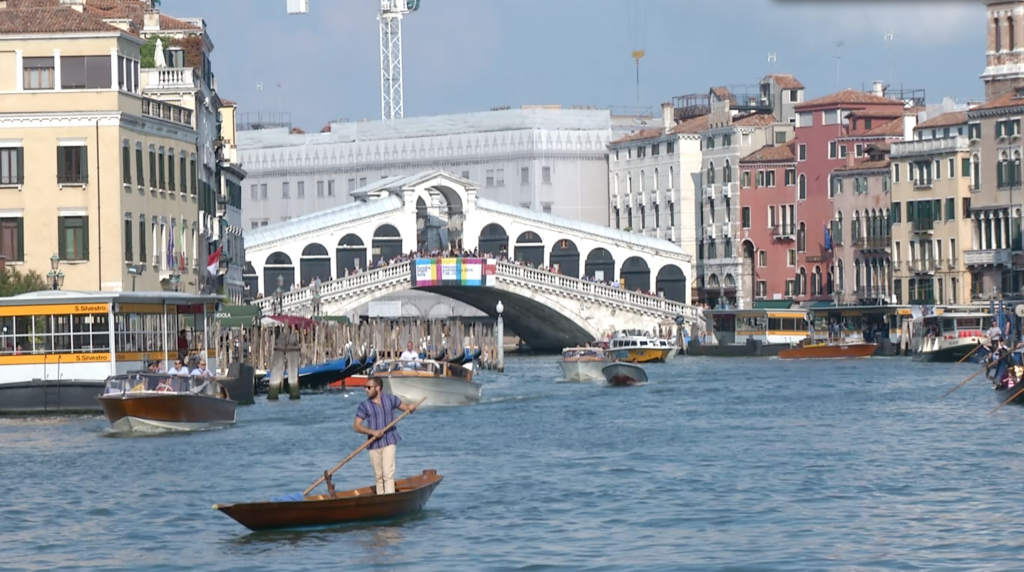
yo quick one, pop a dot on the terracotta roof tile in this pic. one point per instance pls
(892, 128)
(864, 165)
(49, 21)
(945, 120)
(640, 135)
(135, 11)
(786, 81)
(755, 120)
(228, 103)
(1011, 100)
(771, 154)
(94, 10)
(692, 125)
(846, 97)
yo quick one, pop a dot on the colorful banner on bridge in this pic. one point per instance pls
(453, 272)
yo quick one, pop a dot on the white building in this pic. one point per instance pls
(548, 160)
(654, 179)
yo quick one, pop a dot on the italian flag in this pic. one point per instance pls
(214, 261)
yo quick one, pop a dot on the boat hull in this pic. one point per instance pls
(830, 351)
(437, 390)
(171, 411)
(619, 373)
(349, 506)
(735, 350)
(948, 354)
(65, 396)
(640, 355)
(575, 370)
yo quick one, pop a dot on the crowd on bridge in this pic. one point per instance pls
(502, 256)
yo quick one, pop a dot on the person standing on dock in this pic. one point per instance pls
(373, 415)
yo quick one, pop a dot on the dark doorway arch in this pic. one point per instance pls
(636, 274)
(600, 266)
(314, 263)
(387, 243)
(747, 274)
(671, 283)
(278, 265)
(350, 254)
(530, 248)
(565, 254)
(251, 281)
(493, 241)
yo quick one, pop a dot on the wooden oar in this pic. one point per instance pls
(357, 451)
(963, 359)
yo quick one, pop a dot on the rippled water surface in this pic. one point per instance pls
(717, 464)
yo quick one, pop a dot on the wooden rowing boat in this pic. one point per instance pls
(336, 507)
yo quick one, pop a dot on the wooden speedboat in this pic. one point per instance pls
(827, 350)
(336, 507)
(442, 383)
(622, 373)
(140, 402)
(583, 364)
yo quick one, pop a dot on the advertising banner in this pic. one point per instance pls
(453, 272)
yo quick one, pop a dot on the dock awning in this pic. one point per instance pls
(237, 316)
(772, 304)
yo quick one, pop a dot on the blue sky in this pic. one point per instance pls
(471, 55)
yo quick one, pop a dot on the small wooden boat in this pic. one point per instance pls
(336, 507)
(830, 350)
(441, 382)
(138, 402)
(622, 373)
(583, 364)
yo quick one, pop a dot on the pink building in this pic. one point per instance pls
(821, 147)
(767, 219)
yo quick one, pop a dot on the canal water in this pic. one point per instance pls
(741, 464)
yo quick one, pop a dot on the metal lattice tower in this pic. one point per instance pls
(391, 13)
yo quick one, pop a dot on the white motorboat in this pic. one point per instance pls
(583, 364)
(623, 373)
(441, 383)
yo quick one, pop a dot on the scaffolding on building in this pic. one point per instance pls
(256, 120)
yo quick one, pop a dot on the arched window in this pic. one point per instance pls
(998, 35)
(801, 238)
(642, 176)
(816, 282)
(855, 227)
(841, 279)
(727, 172)
(711, 173)
(803, 281)
(1011, 40)
(629, 186)
(710, 143)
(803, 187)
(1003, 171)
(671, 177)
(837, 236)
(858, 279)
(656, 181)
(1015, 171)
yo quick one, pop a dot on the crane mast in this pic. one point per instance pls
(391, 90)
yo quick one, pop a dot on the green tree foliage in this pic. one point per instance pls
(13, 282)
(149, 49)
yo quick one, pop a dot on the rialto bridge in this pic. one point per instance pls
(603, 279)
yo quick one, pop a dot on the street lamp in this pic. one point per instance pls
(134, 270)
(55, 275)
(501, 337)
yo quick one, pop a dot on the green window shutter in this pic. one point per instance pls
(142, 242)
(85, 238)
(999, 174)
(84, 165)
(62, 247)
(20, 175)
(60, 164)
(21, 240)
(965, 167)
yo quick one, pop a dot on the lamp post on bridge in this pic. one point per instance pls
(55, 275)
(501, 337)
(279, 296)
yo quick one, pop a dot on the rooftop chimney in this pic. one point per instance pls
(909, 123)
(878, 88)
(668, 112)
(849, 160)
(151, 21)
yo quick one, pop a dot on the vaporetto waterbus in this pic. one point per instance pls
(58, 347)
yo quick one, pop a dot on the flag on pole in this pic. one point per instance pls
(170, 247)
(181, 252)
(213, 261)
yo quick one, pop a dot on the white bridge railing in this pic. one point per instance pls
(379, 278)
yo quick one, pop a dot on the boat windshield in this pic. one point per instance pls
(431, 367)
(583, 353)
(161, 383)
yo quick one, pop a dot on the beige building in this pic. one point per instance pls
(931, 203)
(91, 170)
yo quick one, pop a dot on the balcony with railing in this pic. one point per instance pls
(872, 242)
(926, 266)
(995, 257)
(924, 226)
(871, 292)
(784, 231)
(167, 112)
(170, 79)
